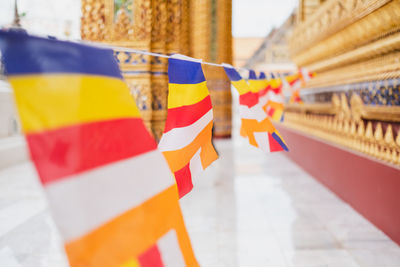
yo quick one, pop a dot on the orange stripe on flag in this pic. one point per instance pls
(130, 234)
(251, 126)
(179, 158)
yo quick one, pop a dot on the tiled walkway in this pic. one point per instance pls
(248, 210)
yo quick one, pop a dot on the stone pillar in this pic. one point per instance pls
(200, 29)
(220, 52)
(159, 78)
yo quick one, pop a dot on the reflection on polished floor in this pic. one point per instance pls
(248, 210)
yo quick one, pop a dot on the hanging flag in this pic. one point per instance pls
(265, 89)
(186, 142)
(294, 80)
(257, 85)
(255, 125)
(262, 76)
(295, 97)
(306, 74)
(274, 110)
(110, 190)
(276, 85)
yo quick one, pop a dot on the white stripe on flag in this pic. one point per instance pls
(296, 85)
(275, 97)
(195, 165)
(254, 113)
(170, 251)
(264, 99)
(262, 141)
(83, 202)
(178, 138)
(306, 74)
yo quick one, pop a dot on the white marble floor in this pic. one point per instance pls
(248, 210)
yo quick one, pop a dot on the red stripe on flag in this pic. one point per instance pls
(248, 99)
(274, 146)
(151, 258)
(277, 90)
(271, 112)
(187, 115)
(264, 91)
(74, 149)
(183, 179)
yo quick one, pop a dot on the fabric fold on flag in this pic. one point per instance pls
(186, 141)
(109, 189)
(255, 125)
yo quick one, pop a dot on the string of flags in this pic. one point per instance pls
(186, 141)
(113, 192)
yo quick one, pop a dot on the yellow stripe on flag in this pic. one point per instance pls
(275, 83)
(257, 85)
(241, 86)
(51, 101)
(131, 263)
(277, 115)
(186, 94)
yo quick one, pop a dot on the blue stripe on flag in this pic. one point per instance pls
(252, 75)
(25, 54)
(185, 72)
(232, 74)
(279, 140)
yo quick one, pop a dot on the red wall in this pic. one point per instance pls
(369, 186)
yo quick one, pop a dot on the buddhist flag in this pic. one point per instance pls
(110, 190)
(295, 97)
(306, 74)
(255, 126)
(265, 88)
(257, 85)
(294, 80)
(270, 97)
(274, 110)
(186, 142)
(275, 84)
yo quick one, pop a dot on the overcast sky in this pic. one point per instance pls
(251, 18)
(257, 17)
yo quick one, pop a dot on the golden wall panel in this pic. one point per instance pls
(330, 18)
(383, 21)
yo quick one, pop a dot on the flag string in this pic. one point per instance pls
(142, 52)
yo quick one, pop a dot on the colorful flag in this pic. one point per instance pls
(306, 74)
(265, 89)
(294, 80)
(257, 85)
(295, 97)
(186, 142)
(271, 94)
(255, 125)
(110, 190)
(262, 76)
(274, 110)
(276, 85)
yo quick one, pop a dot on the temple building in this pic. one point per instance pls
(351, 110)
